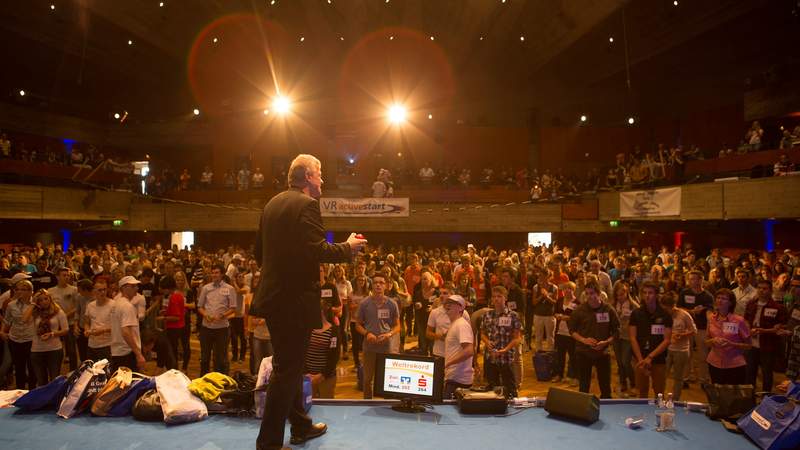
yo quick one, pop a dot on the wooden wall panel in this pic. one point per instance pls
(20, 202)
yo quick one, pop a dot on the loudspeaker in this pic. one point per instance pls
(572, 405)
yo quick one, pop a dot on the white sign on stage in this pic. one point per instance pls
(652, 203)
(363, 207)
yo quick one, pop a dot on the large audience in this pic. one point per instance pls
(673, 316)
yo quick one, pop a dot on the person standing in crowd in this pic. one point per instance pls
(594, 325)
(322, 355)
(515, 301)
(565, 344)
(174, 314)
(238, 338)
(126, 342)
(66, 296)
(728, 339)
(459, 344)
(624, 305)
(500, 334)
(683, 328)
(439, 321)
(216, 303)
(424, 293)
(50, 324)
(128, 291)
(378, 320)
(290, 245)
(261, 344)
(345, 289)
(43, 278)
(182, 287)
(97, 320)
(766, 318)
(545, 295)
(744, 291)
(697, 301)
(19, 331)
(650, 330)
(84, 297)
(360, 292)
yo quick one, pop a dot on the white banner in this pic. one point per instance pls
(363, 207)
(653, 203)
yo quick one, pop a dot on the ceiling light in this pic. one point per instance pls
(116, 116)
(397, 114)
(302, 38)
(52, 7)
(399, 155)
(130, 42)
(196, 112)
(341, 38)
(21, 93)
(431, 37)
(481, 38)
(281, 104)
(611, 39)
(583, 118)
(160, 4)
(675, 3)
(272, 2)
(391, 38)
(522, 38)
(215, 40)
(430, 116)
(631, 120)
(266, 112)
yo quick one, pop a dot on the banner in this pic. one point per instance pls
(653, 203)
(363, 207)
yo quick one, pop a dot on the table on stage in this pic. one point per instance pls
(374, 426)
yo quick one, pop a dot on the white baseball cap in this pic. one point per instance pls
(457, 299)
(19, 277)
(128, 280)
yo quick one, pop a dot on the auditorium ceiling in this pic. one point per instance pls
(498, 60)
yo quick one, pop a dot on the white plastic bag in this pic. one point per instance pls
(178, 404)
(7, 398)
(89, 383)
(264, 373)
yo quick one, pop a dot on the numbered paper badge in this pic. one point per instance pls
(657, 330)
(504, 321)
(601, 317)
(730, 328)
(383, 313)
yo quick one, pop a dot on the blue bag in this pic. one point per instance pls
(774, 424)
(44, 397)
(124, 405)
(307, 393)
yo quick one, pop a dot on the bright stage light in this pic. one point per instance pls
(21, 93)
(130, 42)
(196, 112)
(116, 116)
(397, 114)
(631, 120)
(430, 116)
(266, 112)
(281, 104)
(583, 118)
(52, 7)
(522, 38)
(611, 39)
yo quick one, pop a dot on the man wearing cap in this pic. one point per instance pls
(458, 346)
(129, 291)
(126, 343)
(439, 321)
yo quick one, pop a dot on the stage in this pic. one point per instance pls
(374, 426)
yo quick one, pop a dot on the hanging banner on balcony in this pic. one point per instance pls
(652, 203)
(363, 207)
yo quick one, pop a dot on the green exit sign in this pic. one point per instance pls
(117, 223)
(613, 223)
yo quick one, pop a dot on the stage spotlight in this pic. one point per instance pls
(130, 42)
(215, 40)
(397, 114)
(281, 104)
(341, 38)
(196, 112)
(391, 38)
(583, 118)
(52, 7)
(631, 121)
(302, 38)
(430, 116)
(611, 39)
(481, 38)
(160, 4)
(266, 112)
(21, 93)
(116, 116)
(675, 3)
(399, 155)
(522, 38)
(432, 38)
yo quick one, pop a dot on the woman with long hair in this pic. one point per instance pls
(345, 289)
(182, 286)
(18, 332)
(359, 293)
(728, 339)
(50, 323)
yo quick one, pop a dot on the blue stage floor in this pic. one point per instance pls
(369, 426)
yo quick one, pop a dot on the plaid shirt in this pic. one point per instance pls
(500, 335)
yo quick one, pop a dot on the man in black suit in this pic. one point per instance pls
(289, 247)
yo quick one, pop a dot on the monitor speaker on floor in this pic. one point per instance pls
(572, 405)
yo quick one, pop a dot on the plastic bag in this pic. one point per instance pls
(80, 395)
(177, 403)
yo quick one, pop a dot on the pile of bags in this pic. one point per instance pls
(170, 397)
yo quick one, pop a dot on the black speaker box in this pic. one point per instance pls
(475, 402)
(572, 405)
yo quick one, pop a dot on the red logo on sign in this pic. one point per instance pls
(422, 382)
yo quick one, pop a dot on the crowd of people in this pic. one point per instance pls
(665, 316)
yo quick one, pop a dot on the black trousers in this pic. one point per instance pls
(47, 365)
(358, 341)
(565, 346)
(584, 365)
(186, 348)
(214, 340)
(96, 354)
(82, 342)
(764, 360)
(23, 367)
(734, 375)
(70, 351)
(285, 391)
(128, 361)
(501, 375)
(174, 336)
(238, 339)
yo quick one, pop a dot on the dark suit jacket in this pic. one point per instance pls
(289, 248)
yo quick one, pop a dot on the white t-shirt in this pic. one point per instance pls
(743, 297)
(460, 332)
(138, 301)
(440, 323)
(681, 323)
(100, 317)
(57, 323)
(67, 299)
(123, 314)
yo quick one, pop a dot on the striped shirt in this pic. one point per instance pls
(318, 349)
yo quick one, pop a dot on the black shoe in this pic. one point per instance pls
(258, 447)
(316, 430)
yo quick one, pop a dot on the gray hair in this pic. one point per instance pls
(302, 165)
